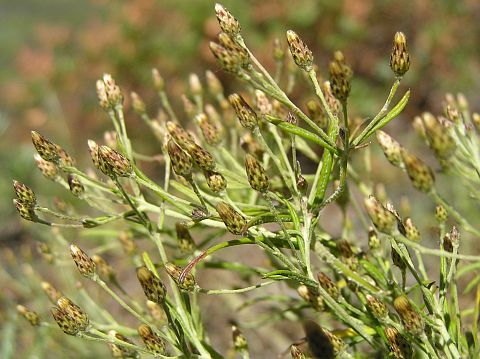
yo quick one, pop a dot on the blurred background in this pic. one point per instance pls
(53, 51)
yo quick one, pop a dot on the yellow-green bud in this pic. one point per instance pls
(76, 186)
(85, 264)
(398, 344)
(152, 340)
(210, 132)
(74, 312)
(180, 160)
(24, 194)
(420, 174)
(215, 181)
(25, 211)
(185, 241)
(411, 231)
(65, 322)
(152, 286)
(45, 148)
(439, 137)
(256, 174)
(399, 58)
(233, 220)
(29, 315)
(247, 117)
(227, 21)
(116, 163)
(383, 219)
(48, 169)
(228, 61)
(391, 148)
(200, 156)
(411, 319)
(328, 285)
(340, 76)
(441, 213)
(235, 49)
(188, 284)
(377, 307)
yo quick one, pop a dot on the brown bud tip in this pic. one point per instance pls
(109, 94)
(233, 220)
(152, 286)
(227, 60)
(411, 319)
(391, 148)
(200, 156)
(180, 160)
(24, 194)
(215, 181)
(301, 54)
(411, 230)
(209, 130)
(383, 219)
(188, 284)
(246, 115)
(340, 77)
(377, 307)
(29, 315)
(399, 58)
(45, 148)
(65, 322)
(227, 22)
(328, 285)
(85, 264)
(74, 312)
(420, 174)
(152, 340)
(256, 174)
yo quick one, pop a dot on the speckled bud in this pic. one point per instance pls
(439, 138)
(227, 21)
(239, 340)
(152, 340)
(48, 169)
(215, 181)
(301, 54)
(117, 164)
(398, 344)
(180, 160)
(74, 312)
(311, 296)
(411, 319)
(185, 241)
(24, 194)
(411, 231)
(200, 156)
(65, 322)
(76, 186)
(225, 58)
(45, 148)
(383, 219)
(152, 286)
(340, 77)
(51, 292)
(376, 307)
(399, 58)
(247, 117)
(25, 211)
(420, 174)
(29, 315)
(178, 133)
(235, 49)
(210, 131)
(118, 350)
(174, 271)
(328, 285)
(85, 264)
(391, 148)
(104, 269)
(233, 220)
(256, 174)
(441, 213)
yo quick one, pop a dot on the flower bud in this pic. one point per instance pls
(85, 264)
(158, 81)
(24, 194)
(52, 293)
(398, 344)
(188, 284)
(296, 352)
(312, 297)
(152, 286)
(45, 148)
(200, 156)
(152, 340)
(185, 241)
(103, 268)
(120, 351)
(235, 49)
(420, 174)
(215, 181)
(451, 240)
(340, 76)
(321, 342)
(137, 103)
(179, 134)
(240, 343)
(109, 91)
(301, 54)
(399, 58)
(411, 231)
(373, 240)
(397, 259)
(65, 322)
(180, 160)
(210, 132)
(214, 85)
(278, 50)
(247, 117)
(328, 285)
(441, 213)
(74, 312)
(128, 245)
(376, 307)
(256, 174)
(29, 315)
(117, 164)
(157, 312)
(227, 21)
(391, 148)
(25, 211)
(225, 58)
(383, 219)
(439, 137)
(262, 103)
(233, 220)
(48, 169)
(76, 187)
(411, 319)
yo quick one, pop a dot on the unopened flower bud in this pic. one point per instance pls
(195, 85)
(296, 352)
(340, 76)
(85, 264)
(328, 285)
(118, 350)
(215, 181)
(200, 156)
(117, 164)
(180, 160)
(103, 268)
(411, 231)
(262, 103)
(383, 219)
(179, 134)
(152, 340)
(137, 103)
(25, 211)
(301, 54)
(441, 213)
(158, 81)
(311, 296)
(174, 271)
(246, 115)
(439, 137)
(215, 87)
(128, 244)
(411, 319)
(399, 58)
(233, 220)
(29, 315)
(74, 312)
(65, 322)
(377, 307)
(373, 240)
(225, 58)
(157, 312)
(240, 343)
(152, 286)
(397, 259)
(256, 174)
(24, 194)
(391, 148)
(420, 174)
(278, 50)
(76, 187)
(185, 241)
(45, 148)
(227, 21)
(451, 240)
(52, 293)
(321, 342)
(398, 344)
(48, 169)
(112, 91)
(210, 132)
